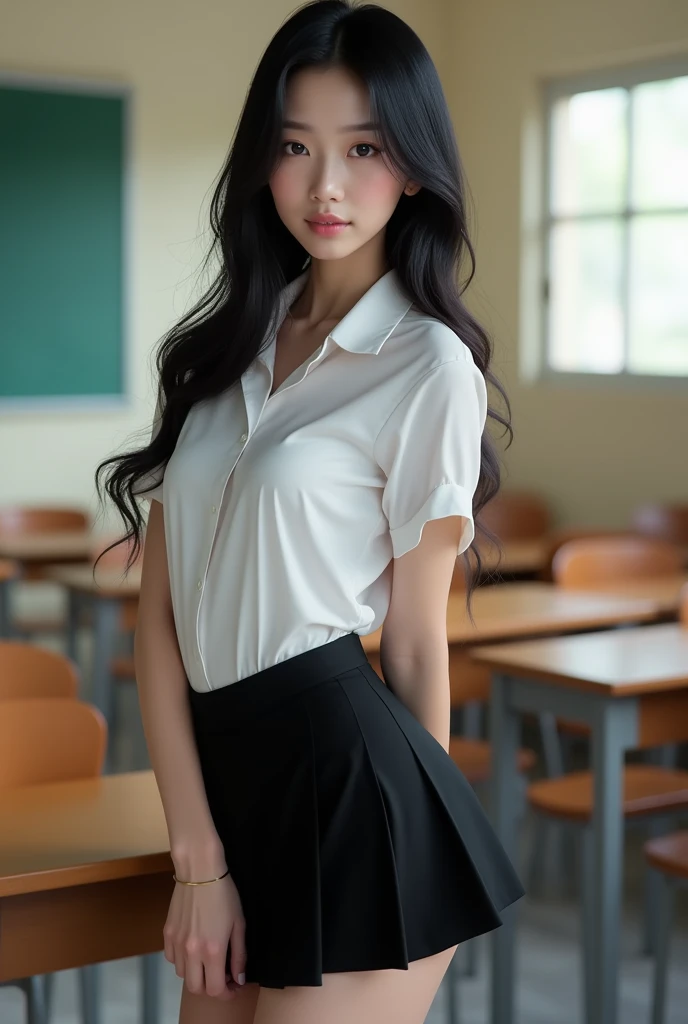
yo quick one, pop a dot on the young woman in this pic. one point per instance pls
(316, 461)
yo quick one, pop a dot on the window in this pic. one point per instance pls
(616, 225)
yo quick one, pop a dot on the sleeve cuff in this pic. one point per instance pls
(149, 487)
(447, 499)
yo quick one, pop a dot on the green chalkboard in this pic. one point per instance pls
(62, 156)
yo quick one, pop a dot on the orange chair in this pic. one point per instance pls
(29, 671)
(558, 538)
(17, 519)
(667, 522)
(583, 563)
(668, 856)
(50, 739)
(516, 515)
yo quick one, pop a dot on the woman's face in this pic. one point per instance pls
(328, 166)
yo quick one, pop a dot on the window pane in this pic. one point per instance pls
(585, 315)
(660, 144)
(658, 295)
(589, 152)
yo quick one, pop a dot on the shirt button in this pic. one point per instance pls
(199, 585)
(244, 437)
(213, 508)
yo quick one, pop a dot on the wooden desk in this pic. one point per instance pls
(40, 549)
(631, 687)
(518, 556)
(508, 610)
(8, 572)
(106, 595)
(663, 591)
(85, 877)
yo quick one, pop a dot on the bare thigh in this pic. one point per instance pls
(367, 997)
(196, 1009)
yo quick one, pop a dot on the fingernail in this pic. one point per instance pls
(242, 979)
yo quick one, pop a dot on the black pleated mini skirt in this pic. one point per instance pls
(354, 841)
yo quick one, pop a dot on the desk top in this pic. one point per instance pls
(108, 582)
(61, 546)
(506, 610)
(71, 833)
(664, 591)
(517, 555)
(617, 663)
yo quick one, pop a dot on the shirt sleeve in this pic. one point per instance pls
(150, 485)
(429, 448)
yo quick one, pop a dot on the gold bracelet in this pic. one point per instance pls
(201, 883)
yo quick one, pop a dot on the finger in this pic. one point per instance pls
(238, 952)
(214, 968)
(193, 974)
(179, 960)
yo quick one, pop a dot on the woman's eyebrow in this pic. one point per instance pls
(364, 126)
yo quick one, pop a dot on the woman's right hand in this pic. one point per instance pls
(201, 922)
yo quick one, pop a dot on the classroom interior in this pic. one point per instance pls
(575, 670)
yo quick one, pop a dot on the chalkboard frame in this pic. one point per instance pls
(123, 399)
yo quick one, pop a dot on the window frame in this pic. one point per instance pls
(552, 91)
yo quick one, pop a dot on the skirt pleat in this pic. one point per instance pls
(354, 840)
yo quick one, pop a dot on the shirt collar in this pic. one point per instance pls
(369, 323)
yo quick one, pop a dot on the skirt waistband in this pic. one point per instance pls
(257, 692)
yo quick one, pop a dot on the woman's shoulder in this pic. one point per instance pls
(425, 343)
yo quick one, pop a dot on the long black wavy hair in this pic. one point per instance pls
(426, 238)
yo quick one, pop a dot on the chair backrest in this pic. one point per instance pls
(670, 522)
(516, 515)
(564, 535)
(50, 739)
(20, 519)
(30, 671)
(581, 563)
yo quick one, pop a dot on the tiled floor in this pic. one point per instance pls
(548, 960)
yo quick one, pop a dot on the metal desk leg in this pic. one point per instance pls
(150, 988)
(74, 605)
(5, 623)
(613, 731)
(106, 613)
(504, 729)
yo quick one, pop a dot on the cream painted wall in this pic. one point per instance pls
(594, 452)
(189, 65)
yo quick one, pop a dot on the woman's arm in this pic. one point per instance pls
(195, 846)
(414, 653)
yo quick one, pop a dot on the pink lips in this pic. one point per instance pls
(326, 230)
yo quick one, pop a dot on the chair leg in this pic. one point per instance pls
(89, 982)
(150, 988)
(470, 961)
(34, 989)
(535, 868)
(651, 890)
(587, 923)
(665, 908)
(48, 990)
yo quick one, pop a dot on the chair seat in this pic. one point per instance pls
(474, 758)
(647, 789)
(669, 853)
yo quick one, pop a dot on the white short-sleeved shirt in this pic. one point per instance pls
(283, 513)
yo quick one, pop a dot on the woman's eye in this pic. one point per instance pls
(301, 149)
(366, 145)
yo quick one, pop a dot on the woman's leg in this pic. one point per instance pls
(367, 997)
(195, 1009)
